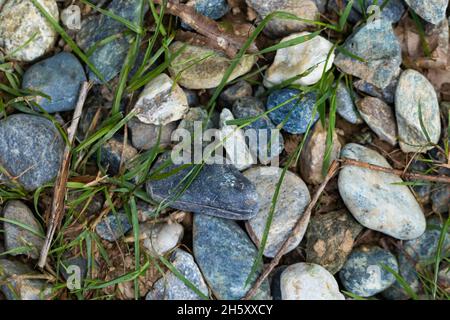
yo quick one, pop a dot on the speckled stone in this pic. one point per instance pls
(379, 117)
(392, 11)
(31, 149)
(214, 9)
(18, 238)
(160, 238)
(293, 116)
(377, 44)
(162, 101)
(345, 106)
(424, 248)
(16, 288)
(233, 140)
(240, 89)
(313, 154)
(330, 238)
(275, 284)
(60, 77)
(111, 154)
(265, 149)
(20, 20)
(305, 9)
(440, 199)
(363, 273)
(113, 226)
(415, 90)
(432, 11)
(170, 287)
(292, 201)
(208, 72)
(109, 58)
(225, 256)
(409, 275)
(387, 94)
(219, 190)
(309, 281)
(376, 199)
(145, 136)
(308, 59)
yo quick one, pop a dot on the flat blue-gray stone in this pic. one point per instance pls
(387, 94)
(170, 287)
(110, 57)
(266, 149)
(59, 77)
(345, 106)
(377, 44)
(31, 149)
(295, 115)
(379, 200)
(218, 190)
(225, 255)
(363, 273)
(113, 226)
(432, 11)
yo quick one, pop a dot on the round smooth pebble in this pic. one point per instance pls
(313, 154)
(31, 149)
(170, 287)
(225, 256)
(377, 199)
(161, 102)
(59, 77)
(308, 281)
(312, 57)
(113, 226)
(330, 239)
(417, 113)
(214, 9)
(160, 238)
(292, 201)
(345, 106)
(19, 240)
(432, 11)
(293, 116)
(21, 23)
(379, 117)
(71, 17)
(207, 72)
(377, 44)
(363, 273)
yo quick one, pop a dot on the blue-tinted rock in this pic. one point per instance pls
(363, 273)
(31, 148)
(113, 226)
(275, 286)
(59, 77)
(378, 200)
(111, 154)
(440, 198)
(218, 190)
(214, 9)
(109, 58)
(432, 11)
(377, 44)
(225, 256)
(170, 287)
(266, 149)
(387, 94)
(19, 240)
(409, 274)
(345, 106)
(295, 115)
(15, 284)
(392, 11)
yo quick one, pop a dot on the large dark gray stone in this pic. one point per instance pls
(60, 77)
(225, 256)
(30, 149)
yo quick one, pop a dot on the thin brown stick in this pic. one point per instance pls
(299, 228)
(227, 41)
(405, 175)
(59, 192)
